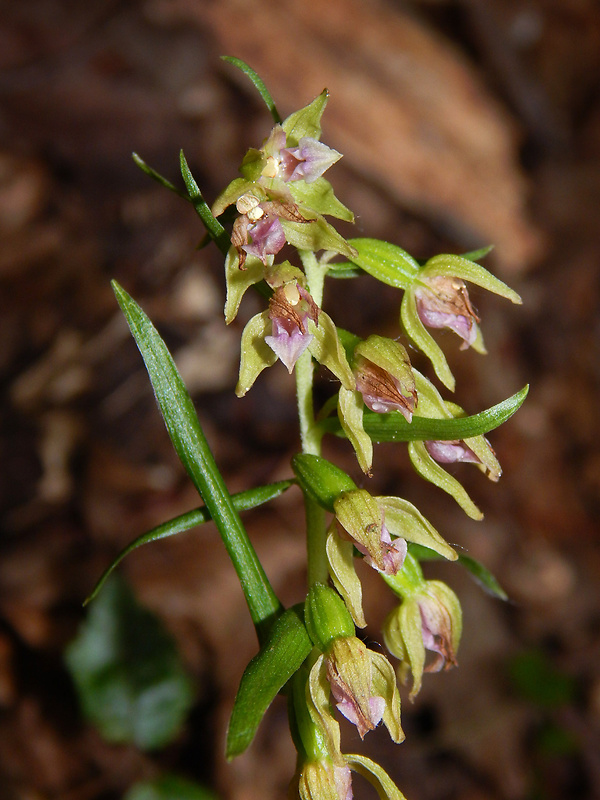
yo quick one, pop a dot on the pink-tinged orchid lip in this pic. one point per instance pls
(288, 342)
(348, 709)
(392, 553)
(445, 303)
(436, 626)
(451, 452)
(290, 308)
(343, 782)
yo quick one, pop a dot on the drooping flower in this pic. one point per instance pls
(368, 524)
(443, 302)
(362, 519)
(437, 297)
(363, 685)
(292, 324)
(349, 675)
(439, 626)
(384, 383)
(282, 191)
(290, 308)
(429, 618)
(384, 376)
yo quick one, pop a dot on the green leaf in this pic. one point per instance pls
(481, 574)
(242, 501)
(282, 654)
(188, 439)
(344, 269)
(258, 83)
(393, 427)
(156, 176)
(169, 787)
(127, 672)
(477, 255)
(386, 262)
(214, 228)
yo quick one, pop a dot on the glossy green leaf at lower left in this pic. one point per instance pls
(281, 655)
(188, 439)
(128, 673)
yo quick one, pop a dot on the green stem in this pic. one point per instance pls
(316, 538)
(310, 434)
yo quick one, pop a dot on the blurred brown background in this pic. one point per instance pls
(462, 123)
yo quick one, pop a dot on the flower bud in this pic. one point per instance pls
(363, 684)
(321, 479)
(326, 616)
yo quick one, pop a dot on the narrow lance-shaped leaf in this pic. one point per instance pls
(258, 83)
(393, 427)
(386, 262)
(186, 434)
(156, 176)
(243, 501)
(282, 654)
(215, 230)
(480, 573)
